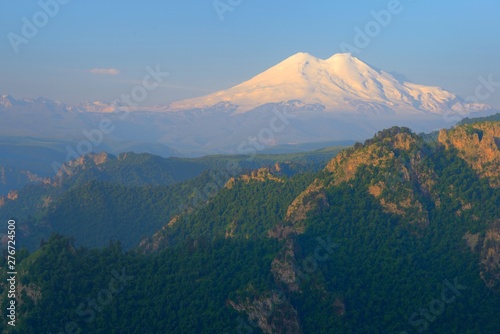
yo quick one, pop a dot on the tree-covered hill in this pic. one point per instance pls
(399, 234)
(101, 197)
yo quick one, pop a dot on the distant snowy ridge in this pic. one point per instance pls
(341, 83)
(9, 103)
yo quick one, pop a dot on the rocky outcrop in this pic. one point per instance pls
(345, 165)
(14, 179)
(403, 179)
(307, 201)
(479, 145)
(159, 240)
(282, 232)
(261, 175)
(283, 266)
(13, 195)
(86, 161)
(487, 245)
(231, 229)
(472, 240)
(490, 258)
(270, 311)
(339, 307)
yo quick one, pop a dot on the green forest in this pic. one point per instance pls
(398, 234)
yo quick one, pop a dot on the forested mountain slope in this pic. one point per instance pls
(396, 235)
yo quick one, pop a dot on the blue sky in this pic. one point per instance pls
(445, 43)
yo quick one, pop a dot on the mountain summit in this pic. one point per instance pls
(341, 83)
(317, 100)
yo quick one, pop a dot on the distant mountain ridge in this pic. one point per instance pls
(340, 83)
(301, 100)
(9, 103)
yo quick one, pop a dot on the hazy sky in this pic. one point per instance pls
(97, 50)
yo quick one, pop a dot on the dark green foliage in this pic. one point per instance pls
(245, 210)
(97, 212)
(386, 268)
(385, 271)
(467, 120)
(113, 196)
(388, 134)
(470, 130)
(181, 290)
(132, 169)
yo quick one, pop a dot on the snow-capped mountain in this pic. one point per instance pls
(341, 83)
(6, 101)
(95, 106)
(303, 99)
(9, 103)
(39, 104)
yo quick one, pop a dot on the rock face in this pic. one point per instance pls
(490, 258)
(404, 182)
(261, 174)
(158, 240)
(270, 311)
(283, 266)
(12, 179)
(397, 155)
(479, 145)
(487, 245)
(307, 201)
(83, 162)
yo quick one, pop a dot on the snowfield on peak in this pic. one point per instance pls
(341, 83)
(303, 99)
